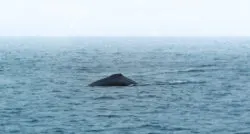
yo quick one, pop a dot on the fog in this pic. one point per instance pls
(124, 18)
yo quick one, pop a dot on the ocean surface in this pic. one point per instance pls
(186, 85)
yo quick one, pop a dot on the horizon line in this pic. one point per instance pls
(124, 36)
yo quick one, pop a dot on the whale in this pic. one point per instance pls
(114, 80)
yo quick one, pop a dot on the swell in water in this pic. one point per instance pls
(186, 85)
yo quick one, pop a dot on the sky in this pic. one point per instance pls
(124, 17)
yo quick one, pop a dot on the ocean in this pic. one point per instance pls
(185, 85)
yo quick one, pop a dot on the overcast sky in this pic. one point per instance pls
(124, 17)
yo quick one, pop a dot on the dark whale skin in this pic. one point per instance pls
(114, 80)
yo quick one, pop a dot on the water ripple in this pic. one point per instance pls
(105, 98)
(182, 88)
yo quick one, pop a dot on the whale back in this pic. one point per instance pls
(114, 80)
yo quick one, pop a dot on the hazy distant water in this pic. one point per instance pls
(186, 85)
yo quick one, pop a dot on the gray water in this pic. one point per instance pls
(186, 85)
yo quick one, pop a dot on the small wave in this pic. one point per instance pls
(174, 82)
(242, 133)
(153, 126)
(122, 96)
(149, 96)
(105, 98)
(74, 103)
(150, 126)
(82, 69)
(125, 128)
(144, 84)
(180, 82)
(95, 130)
(56, 130)
(207, 65)
(13, 110)
(47, 117)
(14, 131)
(59, 82)
(63, 96)
(192, 70)
(32, 120)
(163, 127)
(178, 129)
(56, 91)
(109, 116)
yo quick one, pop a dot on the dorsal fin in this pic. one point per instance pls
(116, 75)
